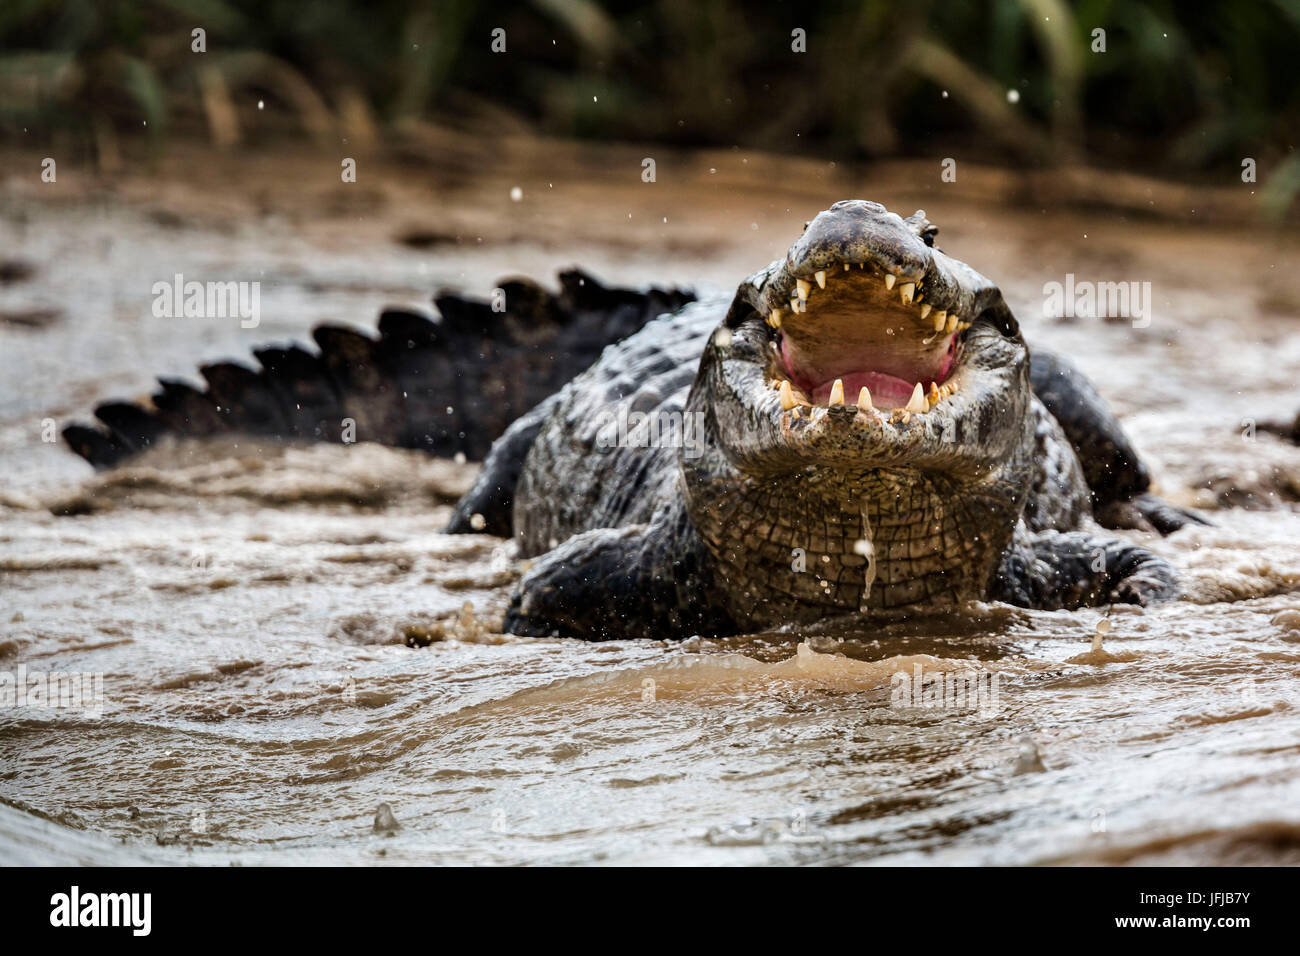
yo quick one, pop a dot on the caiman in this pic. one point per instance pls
(861, 429)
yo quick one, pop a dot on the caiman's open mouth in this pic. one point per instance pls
(866, 348)
(859, 332)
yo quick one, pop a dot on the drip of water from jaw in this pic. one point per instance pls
(866, 547)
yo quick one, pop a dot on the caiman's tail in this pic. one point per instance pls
(446, 385)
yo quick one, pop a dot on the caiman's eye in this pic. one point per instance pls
(1000, 318)
(928, 234)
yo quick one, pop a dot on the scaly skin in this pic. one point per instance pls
(792, 514)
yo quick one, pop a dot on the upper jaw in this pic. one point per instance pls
(867, 237)
(930, 281)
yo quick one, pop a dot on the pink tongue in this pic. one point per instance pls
(887, 391)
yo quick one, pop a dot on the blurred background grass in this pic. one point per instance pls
(1185, 90)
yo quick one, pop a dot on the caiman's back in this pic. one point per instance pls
(606, 454)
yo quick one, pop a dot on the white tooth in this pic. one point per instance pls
(864, 399)
(794, 306)
(837, 393)
(804, 287)
(906, 291)
(940, 320)
(890, 280)
(787, 396)
(925, 310)
(917, 402)
(847, 267)
(821, 279)
(952, 322)
(774, 319)
(862, 265)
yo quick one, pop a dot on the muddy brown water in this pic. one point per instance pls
(286, 640)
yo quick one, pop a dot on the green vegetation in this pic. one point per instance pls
(1180, 86)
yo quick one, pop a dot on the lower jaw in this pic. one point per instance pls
(887, 391)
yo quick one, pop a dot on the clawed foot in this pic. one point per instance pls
(1147, 585)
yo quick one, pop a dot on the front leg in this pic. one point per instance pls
(1055, 570)
(643, 581)
(1120, 483)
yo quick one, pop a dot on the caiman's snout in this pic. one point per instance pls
(862, 232)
